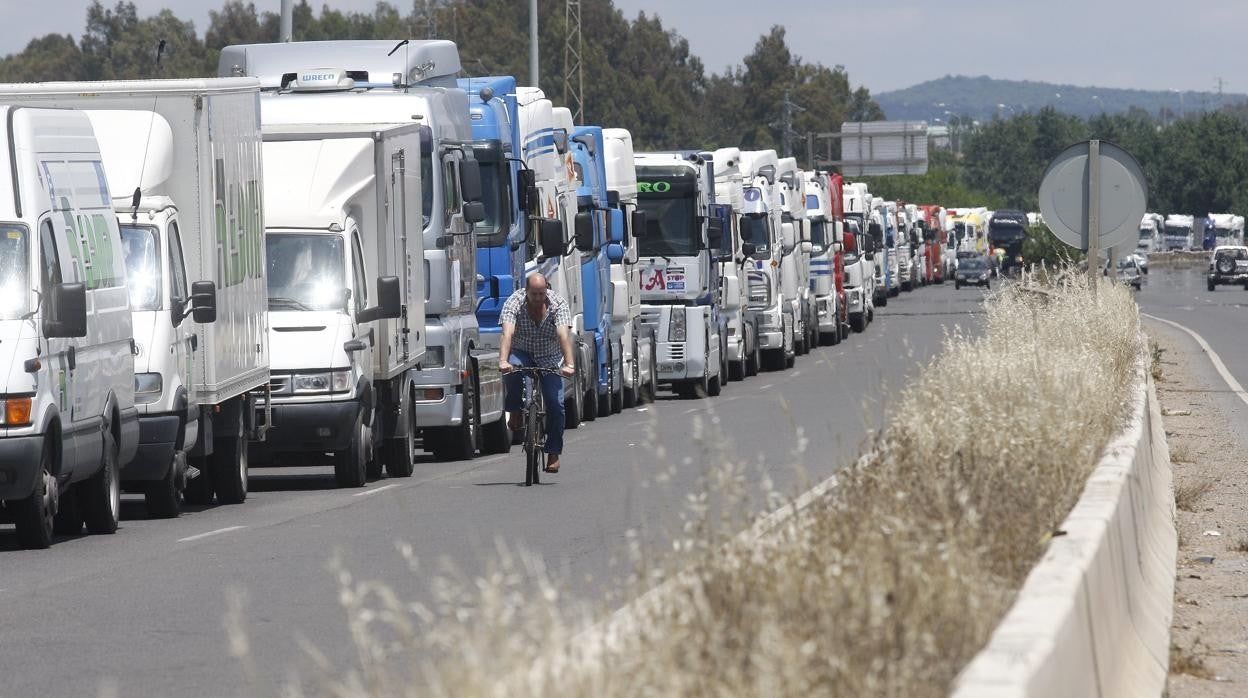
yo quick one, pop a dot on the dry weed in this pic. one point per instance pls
(1184, 661)
(1189, 493)
(1240, 545)
(886, 587)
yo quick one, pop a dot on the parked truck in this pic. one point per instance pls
(458, 388)
(762, 230)
(1151, 227)
(597, 253)
(741, 340)
(640, 360)
(679, 280)
(68, 405)
(1007, 230)
(794, 260)
(825, 240)
(862, 263)
(1224, 229)
(1177, 233)
(190, 151)
(340, 218)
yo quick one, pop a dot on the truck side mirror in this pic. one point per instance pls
(550, 235)
(526, 189)
(639, 224)
(617, 232)
(715, 233)
(806, 246)
(584, 231)
(204, 302)
(470, 180)
(389, 301)
(850, 244)
(788, 236)
(474, 211)
(67, 311)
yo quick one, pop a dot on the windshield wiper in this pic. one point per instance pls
(287, 302)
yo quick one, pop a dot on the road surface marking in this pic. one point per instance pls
(1213, 357)
(383, 488)
(219, 531)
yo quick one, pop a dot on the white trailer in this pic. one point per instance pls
(200, 189)
(341, 216)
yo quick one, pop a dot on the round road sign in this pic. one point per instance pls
(1064, 196)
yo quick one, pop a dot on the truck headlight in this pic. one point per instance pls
(148, 387)
(327, 382)
(15, 411)
(676, 325)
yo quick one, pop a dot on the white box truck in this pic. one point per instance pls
(198, 175)
(342, 214)
(67, 415)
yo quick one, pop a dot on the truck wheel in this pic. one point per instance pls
(589, 403)
(460, 443)
(573, 402)
(652, 388)
(228, 466)
(714, 386)
(773, 360)
(631, 394)
(162, 497)
(882, 300)
(399, 454)
(858, 323)
(604, 400)
(496, 437)
(753, 361)
(617, 395)
(349, 465)
(199, 488)
(100, 495)
(35, 516)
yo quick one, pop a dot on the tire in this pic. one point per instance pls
(1225, 265)
(882, 301)
(1213, 286)
(398, 455)
(957, 285)
(532, 465)
(350, 468)
(461, 442)
(100, 495)
(790, 361)
(572, 404)
(774, 360)
(496, 437)
(737, 369)
(632, 394)
(68, 520)
(35, 516)
(162, 498)
(228, 467)
(714, 386)
(652, 392)
(754, 360)
(589, 403)
(858, 323)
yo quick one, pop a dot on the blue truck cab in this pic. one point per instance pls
(595, 221)
(501, 237)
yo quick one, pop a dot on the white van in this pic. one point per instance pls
(68, 418)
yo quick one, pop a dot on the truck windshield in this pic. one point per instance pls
(306, 272)
(426, 184)
(143, 277)
(1177, 230)
(671, 227)
(14, 270)
(754, 229)
(818, 235)
(493, 196)
(1006, 232)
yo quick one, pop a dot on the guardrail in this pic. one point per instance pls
(1093, 617)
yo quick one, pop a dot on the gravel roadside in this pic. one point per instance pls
(1209, 636)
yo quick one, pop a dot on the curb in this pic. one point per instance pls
(1093, 617)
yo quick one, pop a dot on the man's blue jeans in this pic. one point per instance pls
(552, 395)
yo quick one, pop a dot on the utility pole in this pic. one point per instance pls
(787, 110)
(533, 43)
(573, 74)
(288, 20)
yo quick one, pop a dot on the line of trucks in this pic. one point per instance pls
(303, 261)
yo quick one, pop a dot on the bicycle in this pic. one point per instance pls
(534, 424)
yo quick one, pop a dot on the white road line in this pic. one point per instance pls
(219, 531)
(383, 488)
(765, 387)
(1213, 357)
(795, 374)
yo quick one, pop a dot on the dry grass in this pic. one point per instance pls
(1240, 545)
(1182, 453)
(1184, 661)
(887, 587)
(1188, 494)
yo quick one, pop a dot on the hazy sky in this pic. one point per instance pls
(885, 44)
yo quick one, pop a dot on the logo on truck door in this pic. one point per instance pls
(653, 280)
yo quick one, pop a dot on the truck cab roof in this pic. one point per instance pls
(385, 63)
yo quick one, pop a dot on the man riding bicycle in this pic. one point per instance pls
(535, 325)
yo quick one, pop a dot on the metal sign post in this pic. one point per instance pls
(1093, 197)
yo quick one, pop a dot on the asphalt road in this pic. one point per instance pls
(143, 610)
(1219, 317)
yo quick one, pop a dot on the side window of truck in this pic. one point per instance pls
(450, 188)
(359, 284)
(177, 266)
(50, 263)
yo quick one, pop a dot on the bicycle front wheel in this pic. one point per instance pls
(532, 449)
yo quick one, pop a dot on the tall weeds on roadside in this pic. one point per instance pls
(886, 586)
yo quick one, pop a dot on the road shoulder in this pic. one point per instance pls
(1209, 636)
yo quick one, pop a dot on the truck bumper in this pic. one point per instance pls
(828, 320)
(316, 427)
(19, 465)
(444, 411)
(736, 348)
(158, 434)
(675, 363)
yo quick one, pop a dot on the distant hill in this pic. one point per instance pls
(983, 98)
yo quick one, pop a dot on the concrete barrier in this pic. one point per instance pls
(1093, 617)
